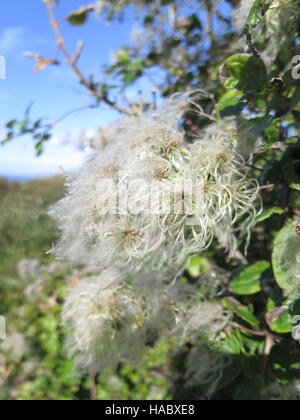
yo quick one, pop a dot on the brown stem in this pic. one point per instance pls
(72, 62)
(270, 339)
(69, 113)
(209, 23)
(268, 346)
(93, 388)
(264, 187)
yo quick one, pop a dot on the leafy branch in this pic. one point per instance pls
(72, 61)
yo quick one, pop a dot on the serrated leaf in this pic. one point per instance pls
(248, 280)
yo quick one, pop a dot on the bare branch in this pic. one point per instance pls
(73, 63)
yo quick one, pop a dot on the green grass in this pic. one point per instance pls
(26, 230)
(45, 371)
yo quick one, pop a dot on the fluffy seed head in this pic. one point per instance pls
(120, 323)
(150, 197)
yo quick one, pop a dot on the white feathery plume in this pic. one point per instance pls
(162, 229)
(122, 322)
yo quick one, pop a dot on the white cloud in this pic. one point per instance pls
(11, 39)
(17, 159)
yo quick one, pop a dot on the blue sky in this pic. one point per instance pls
(24, 27)
(55, 90)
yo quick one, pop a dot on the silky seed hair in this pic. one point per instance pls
(122, 322)
(152, 148)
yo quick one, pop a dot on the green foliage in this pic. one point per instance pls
(285, 258)
(259, 291)
(249, 280)
(257, 12)
(26, 229)
(267, 213)
(79, 17)
(39, 131)
(245, 72)
(43, 370)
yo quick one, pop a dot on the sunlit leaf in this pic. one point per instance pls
(79, 17)
(286, 257)
(248, 280)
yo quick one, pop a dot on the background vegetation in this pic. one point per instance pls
(248, 77)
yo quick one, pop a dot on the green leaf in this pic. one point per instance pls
(230, 104)
(197, 266)
(283, 324)
(123, 55)
(243, 313)
(295, 187)
(232, 345)
(248, 280)
(39, 148)
(285, 258)
(24, 124)
(272, 132)
(11, 124)
(137, 65)
(257, 12)
(245, 72)
(267, 213)
(79, 17)
(130, 76)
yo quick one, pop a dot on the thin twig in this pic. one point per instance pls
(270, 339)
(78, 52)
(209, 24)
(268, 346)
(93, 388)
(263, 333)
(69, 113)
(263, 187)
(72, 62)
